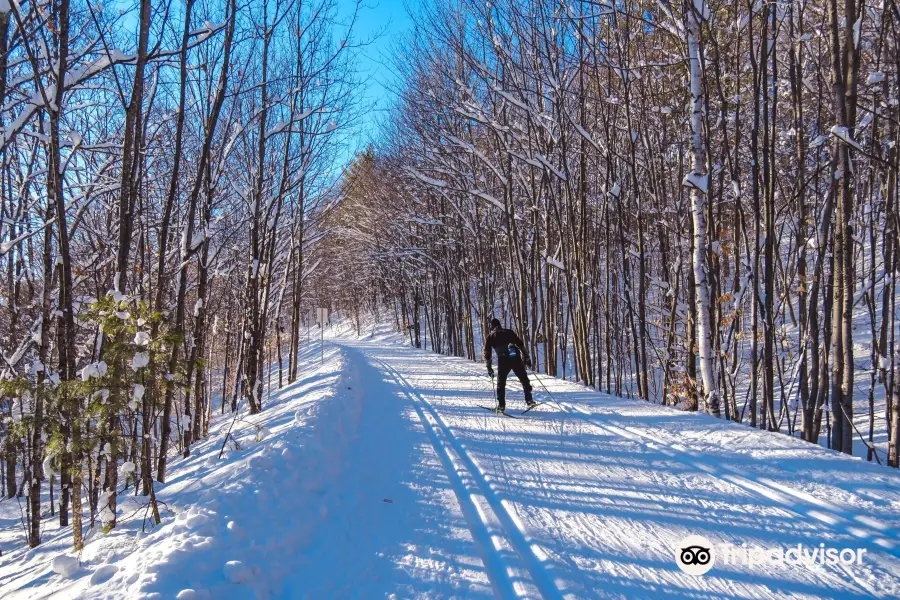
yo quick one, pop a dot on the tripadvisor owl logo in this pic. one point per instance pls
(695, 555)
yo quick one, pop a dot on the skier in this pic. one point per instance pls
(511, 356)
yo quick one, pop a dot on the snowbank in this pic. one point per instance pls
(202, 548)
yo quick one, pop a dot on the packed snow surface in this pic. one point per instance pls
(376, 475)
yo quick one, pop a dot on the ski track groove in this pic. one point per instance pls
(495, 567)
(529, 552)
(769, 491)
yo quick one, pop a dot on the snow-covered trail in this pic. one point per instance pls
(384, 516)
(589, 498)
(333, 491)
(376, 475)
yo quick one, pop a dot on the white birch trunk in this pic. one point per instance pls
(698, 182)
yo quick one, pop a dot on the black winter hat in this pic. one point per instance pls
(495, 323)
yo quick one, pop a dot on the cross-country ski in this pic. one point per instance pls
(497, 411)
(533, 406)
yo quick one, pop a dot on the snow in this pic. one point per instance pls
(875, 78)
(94, 370)
(103, 574)
(581, 131)
(376, 475)
(126, 468)
(197, 240)
(140, 360)
(843, 134)
(276, 128)
(702, 10)
(543, 160)
(865, 121)
(425, 178)
(555, 262)
(48, 464)
(696, 180)
(236, 572)
(487, 197)
(818, 141)
(64, 565)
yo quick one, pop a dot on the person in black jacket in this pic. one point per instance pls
(511, 356)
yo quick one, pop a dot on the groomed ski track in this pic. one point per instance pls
(376, 475)
(588, 497)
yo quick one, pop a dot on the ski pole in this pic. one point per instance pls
(562, 423)
(544, 387)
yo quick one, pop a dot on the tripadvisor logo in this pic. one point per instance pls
(695, 555)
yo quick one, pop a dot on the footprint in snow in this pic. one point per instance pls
(103, 574)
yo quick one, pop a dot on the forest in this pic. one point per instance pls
(692, 204)
(163, 169)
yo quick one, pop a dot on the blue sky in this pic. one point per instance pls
(389, 18)
(384, 20)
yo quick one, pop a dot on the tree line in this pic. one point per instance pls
(692, 203)
(165, 169)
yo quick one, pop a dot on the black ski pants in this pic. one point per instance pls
(503, 369)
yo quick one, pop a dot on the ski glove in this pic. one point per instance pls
(527, 363)
(490, 370)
